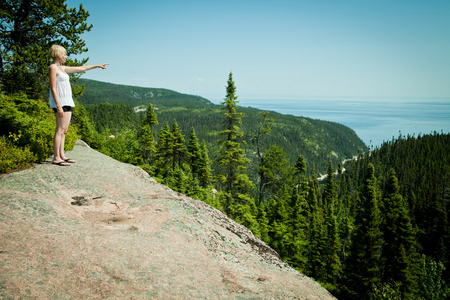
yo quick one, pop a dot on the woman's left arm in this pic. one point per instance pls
(68, 69)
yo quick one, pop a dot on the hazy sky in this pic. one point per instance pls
(275, 49)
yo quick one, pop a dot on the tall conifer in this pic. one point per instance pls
(204, 172)
(150, 118)
(194, 153)
(399, 250)
(274, 171)
(317, 239)
(262, 129)
(363, 267)
(232, 158)
(331, 253)
(164, 151)
(146, 134)
(278, 212)
(299, 169)
(198, 160)
(298, 226)
(179, 150)
(147, 143)
(263, 224)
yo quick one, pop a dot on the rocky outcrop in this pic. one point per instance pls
(104, 229)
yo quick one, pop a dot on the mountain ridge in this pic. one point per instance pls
(134, 95)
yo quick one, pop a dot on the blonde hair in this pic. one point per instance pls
(57, 51)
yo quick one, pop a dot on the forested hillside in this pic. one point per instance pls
(422, 167)
(316, 140)
(398, 233)
(101, 92)
(379, 230)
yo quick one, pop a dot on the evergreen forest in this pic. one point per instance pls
(377, 226)
(112, 107)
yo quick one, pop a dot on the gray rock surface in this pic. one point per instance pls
(104, 229)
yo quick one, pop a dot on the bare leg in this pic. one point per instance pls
(66, 123)
(57, 139)
(62, 124)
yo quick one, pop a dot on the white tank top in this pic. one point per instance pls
(63, 89)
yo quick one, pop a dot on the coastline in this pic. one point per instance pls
(374, 119)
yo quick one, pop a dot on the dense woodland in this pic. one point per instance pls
(404, 216)
(377, 230)
(109, 107)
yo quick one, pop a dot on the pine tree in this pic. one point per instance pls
(244, 212)
(263, 224)
(332, 250)
(146, 134)
(345, 222)
(178, 180)
(314, 185)
(298, 226)
(204, 171)
(399, 250)
(278, 215)
(363, 267)
(317, 239)
(299, 169)
(274, 171)
(194, 154)
(150, 118)
(179, 150)
(232, 158)
(124, 147)
(329, 191)
(431, 283)
(331, 253)
(198, 160)
(147, 143)
(29, 29)
(263, 128)
(164, 151)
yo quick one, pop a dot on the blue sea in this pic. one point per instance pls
(374, 119)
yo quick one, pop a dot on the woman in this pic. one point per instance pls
(61, 99)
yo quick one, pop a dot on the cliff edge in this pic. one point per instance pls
(104, 229)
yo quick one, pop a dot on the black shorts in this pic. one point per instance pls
(65, 108)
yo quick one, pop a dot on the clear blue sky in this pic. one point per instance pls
(275, 49)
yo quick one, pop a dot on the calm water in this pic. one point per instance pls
(373, 119)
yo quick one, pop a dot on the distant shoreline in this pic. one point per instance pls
(374, 119)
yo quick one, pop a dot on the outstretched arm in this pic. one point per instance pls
(68, 69)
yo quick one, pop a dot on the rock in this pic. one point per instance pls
(104, 229)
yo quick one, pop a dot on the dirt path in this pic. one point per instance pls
(103, 229)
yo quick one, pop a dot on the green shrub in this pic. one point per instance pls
(124, 147)
(13, 157)
(30, 124)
